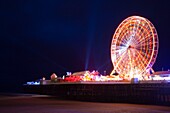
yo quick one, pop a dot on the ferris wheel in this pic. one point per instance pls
(134, 46)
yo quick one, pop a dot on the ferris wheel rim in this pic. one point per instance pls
(154, 39)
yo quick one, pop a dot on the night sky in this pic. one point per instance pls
(39, 37)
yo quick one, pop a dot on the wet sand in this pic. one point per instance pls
(45, 104)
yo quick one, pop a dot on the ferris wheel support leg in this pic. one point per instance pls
(152, 70)
(112, 72)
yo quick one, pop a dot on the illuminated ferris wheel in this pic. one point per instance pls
(134, 46)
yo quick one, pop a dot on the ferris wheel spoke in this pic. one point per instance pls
(126, 36)
(144, 53)
(132, 36)
(136, 26)
(123, 42)
(139, 56)
(140, 65)
(125, 39)
(142, 58)
(120, 49)
(142, 29)
(145, 39)
(137, 32)
(144, 44)
(134, 58)
(134, 42)
(120, 55)
(119, 59)
(142, 32)
(130, 61)
(123, 62)
(147, 47)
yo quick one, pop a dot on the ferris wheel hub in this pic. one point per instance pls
(130, 46)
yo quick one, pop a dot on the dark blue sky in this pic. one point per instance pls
(39, 37)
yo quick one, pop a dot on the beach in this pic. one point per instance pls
(28, 103)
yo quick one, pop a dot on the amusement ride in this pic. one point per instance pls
(134, 48)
